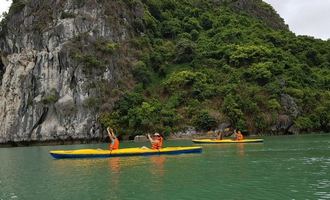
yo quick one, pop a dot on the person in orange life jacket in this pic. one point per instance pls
(239, 135)
(156, 141)
(219, 135)
(114, 145)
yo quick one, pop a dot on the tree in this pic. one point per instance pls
(141, 73)
(185, 51)
(233, 111)
(203, 121)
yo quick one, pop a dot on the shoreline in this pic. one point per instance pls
(50, 143)
(100, 141)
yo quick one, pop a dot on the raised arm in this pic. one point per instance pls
(109, 133)
(150, 139)
(113, 134)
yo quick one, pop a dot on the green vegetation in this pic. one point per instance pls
(51, 97)
(201, 65)
(92, 55)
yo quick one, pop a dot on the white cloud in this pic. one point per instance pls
(305, 17)
(4, 6)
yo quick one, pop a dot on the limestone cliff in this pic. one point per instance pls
(55, 57)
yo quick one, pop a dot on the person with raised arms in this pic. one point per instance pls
(114, 145)
(156, 141)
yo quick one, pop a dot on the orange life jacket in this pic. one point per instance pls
(239, 136)
(158, 143)
(115, 145)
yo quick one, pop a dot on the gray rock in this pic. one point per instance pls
(140, 138)
(294, 130)
(43, 90)
(284, 121)
(289, 105)
(223, 126)
(190, 131)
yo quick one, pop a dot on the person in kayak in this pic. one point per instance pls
(114, 145)
(239, 135)
(156, 141)
(219, 135)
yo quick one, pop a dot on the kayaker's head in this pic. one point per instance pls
(156, 135)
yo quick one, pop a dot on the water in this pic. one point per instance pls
(293, 167)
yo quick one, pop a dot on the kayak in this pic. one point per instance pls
(227, 141)
(101, 153)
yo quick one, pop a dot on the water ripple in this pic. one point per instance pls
(312, 160)
(325, 195)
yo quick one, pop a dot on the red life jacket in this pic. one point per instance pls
(115, 145)
(158, 143)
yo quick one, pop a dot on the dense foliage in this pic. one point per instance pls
(201, 65)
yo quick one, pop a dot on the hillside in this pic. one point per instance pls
(70, 68)
(205, 64)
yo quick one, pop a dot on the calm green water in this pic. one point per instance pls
(295, 167)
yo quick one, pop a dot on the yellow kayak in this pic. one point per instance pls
(100, 153)
(227, 141)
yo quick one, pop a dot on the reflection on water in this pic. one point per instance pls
(65, 167)
(114, 179)
(157, 168)
(157, 172)
(240, 149)
(114, 165)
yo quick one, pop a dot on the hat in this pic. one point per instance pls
(156, 134)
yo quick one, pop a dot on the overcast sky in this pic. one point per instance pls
(304, 17)
(4, 5)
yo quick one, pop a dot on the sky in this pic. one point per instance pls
(304, 17)
(4, 5)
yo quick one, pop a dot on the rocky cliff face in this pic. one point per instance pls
(56, 56)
